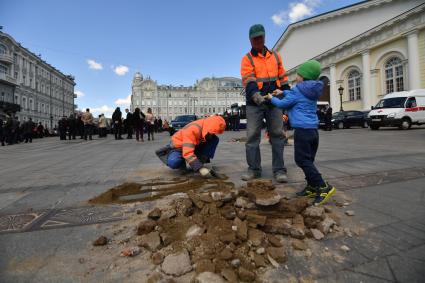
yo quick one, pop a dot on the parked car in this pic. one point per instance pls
(182, 121)
(399, 109)
(347, 119)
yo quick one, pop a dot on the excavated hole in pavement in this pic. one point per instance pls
(233, 234)
(153, 190)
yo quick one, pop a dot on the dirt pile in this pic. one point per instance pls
(233, 234)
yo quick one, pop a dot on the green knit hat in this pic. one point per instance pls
(309, 70)
(256, 30)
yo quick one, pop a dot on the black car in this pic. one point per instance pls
(182, 121)
(347, 119)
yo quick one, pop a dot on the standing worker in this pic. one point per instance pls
(262, 72)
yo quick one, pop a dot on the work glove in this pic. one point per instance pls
(205, 172)
(258, 99)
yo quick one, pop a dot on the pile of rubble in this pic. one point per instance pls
(230, 235)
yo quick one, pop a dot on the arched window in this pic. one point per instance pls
(354, 85)
(394, 80)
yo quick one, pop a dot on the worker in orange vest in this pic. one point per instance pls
(263, 72)
(195, 145)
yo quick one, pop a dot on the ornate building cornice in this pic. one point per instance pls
(400, 26)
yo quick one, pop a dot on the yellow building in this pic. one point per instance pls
(370, 49)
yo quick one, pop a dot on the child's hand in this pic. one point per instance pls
(268, 97)
(277, 92)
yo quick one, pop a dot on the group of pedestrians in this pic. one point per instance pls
(135, 123)
(77, 125)
(13, 131)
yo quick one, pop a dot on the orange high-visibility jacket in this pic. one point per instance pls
(193, 134)
(261, 69)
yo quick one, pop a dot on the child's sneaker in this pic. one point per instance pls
(308, 191)
(324, 194)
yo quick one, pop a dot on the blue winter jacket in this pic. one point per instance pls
(301, 103)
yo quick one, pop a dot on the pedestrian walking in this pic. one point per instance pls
(139, 123)
(150, 118)
(87, 119)
(117, 122)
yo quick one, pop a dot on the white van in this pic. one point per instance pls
(399, 109)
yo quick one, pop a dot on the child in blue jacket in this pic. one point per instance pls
(301, 104)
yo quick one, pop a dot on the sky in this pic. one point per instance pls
(104, 42)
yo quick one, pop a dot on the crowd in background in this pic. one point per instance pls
(13, 131)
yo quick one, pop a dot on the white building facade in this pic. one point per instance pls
(370, 49)
(32, 88)
(208, 96)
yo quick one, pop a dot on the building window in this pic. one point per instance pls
(15, 75)
(24, 102)
(3, 49)
(3, 69)
(354, 85)
(394, 75)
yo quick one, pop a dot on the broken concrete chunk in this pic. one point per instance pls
(193, 231)
(326, 225)
(184, 207)
(229, 275)
(208, 277)
(265, 184)
(157, 258)
(315, 212)
(146, 227)
(317, 234)
(177, 264)
(236, 262)
(261, 197)
(101, 241)
(150, 241)
(241, 229)
(204, 265)
(155, 214)
(278, 226)
(256, 237)
(275, 241)
(345, 248)
(223, 196)
(246, 275)
(255, 219)
(168, 213)
(299, 245)
(278, 254)
(243, 202)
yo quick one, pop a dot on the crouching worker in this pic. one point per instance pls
(195, 145)
(301, 103)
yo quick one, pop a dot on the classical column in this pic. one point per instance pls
(334, 96)
(373, 87)
(366, 97)
(413, 57)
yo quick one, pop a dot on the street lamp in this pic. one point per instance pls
(341, 91)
